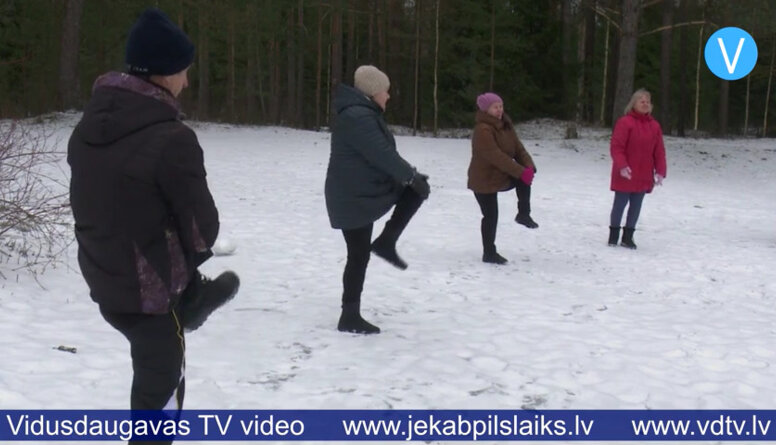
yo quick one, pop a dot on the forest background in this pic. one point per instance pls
(278, 61)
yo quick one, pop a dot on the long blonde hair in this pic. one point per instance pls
(636, 95)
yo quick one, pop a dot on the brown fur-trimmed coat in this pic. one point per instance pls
(497, 154)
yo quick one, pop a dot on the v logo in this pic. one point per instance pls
(718, 58)
(730, 67)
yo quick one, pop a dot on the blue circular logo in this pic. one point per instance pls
(731, 53)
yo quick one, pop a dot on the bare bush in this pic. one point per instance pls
(34, 210)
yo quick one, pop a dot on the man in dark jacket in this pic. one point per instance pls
(365, 178)
(144, 216)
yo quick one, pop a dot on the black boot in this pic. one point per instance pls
(385, 248)
(491, 256)
(351, 321)
(614, 235)
(384, 245)
(524, 205)
(627, 238)
(526, 220)
(204, 296)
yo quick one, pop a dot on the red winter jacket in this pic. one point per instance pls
(637, 142)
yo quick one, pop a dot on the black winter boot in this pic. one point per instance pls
(386, 249)
(526, 220)
(351, 321)
(614, 235)
(491, 256)
(205, 297)
(384, 245)
(627, 238)
(524, 205)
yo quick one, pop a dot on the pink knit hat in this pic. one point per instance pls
(485, 100)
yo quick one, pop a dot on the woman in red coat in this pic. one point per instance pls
(638, 163)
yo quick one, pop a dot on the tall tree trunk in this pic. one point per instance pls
(396, 58)
(768, 91)
(69, 85)
(627, 56)
(571, 128)
(683, 67)
(329, 119)
(664, 115)
(203, 67)
(371, 30)
(319, 67)
(336, 54)
(568, 53)
(724, 101)
(260, 77)
(415, 122)
(300, 53)
(230, 62)
(605, 81)
(611, 88)
(274, 81)
(436, 68)
(350, 44)
(492, 43)
(724, 90)
(382, 24)
(589, 61)
(746, 111)
(290, 99)
(698, 80)
(585, 53)
(249, 110)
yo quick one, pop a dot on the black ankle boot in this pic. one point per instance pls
(627, 238)
(614, 235)
(207, 295)
(493, 257)
(386, 250)
(351, 321)
(526, 220)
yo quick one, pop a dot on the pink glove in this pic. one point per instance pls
(659, 179)
(625, 172)
(527, 176)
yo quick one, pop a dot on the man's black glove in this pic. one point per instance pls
(419, 184)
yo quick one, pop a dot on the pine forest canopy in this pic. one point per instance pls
(277, 61)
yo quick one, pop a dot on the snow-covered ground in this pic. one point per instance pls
(686, 321)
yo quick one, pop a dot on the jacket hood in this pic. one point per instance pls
(122, 104)
(347, 96)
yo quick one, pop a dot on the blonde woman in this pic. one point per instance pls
(638, 163)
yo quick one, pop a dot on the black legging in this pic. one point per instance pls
(489, 207)
(359, 244)
(157, 347)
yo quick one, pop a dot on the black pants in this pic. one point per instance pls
(157, 346)
(489, 207)
(359, 243)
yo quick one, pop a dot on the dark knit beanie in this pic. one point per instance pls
(156, 45)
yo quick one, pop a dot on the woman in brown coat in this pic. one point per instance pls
(499, 163)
